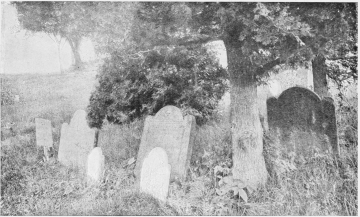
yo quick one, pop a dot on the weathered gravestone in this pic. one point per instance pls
(299, 115)
(76, 141)
(174, 133)
(95, 166)
(155, 174)
(44, 135)
(329, 123)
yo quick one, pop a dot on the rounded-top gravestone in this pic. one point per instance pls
(155, 174)
(76, 141)
(95, 166)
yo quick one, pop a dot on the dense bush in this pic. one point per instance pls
(139, 85)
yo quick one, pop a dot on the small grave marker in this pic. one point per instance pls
(95, 165)
(76, 142)
(155, 174)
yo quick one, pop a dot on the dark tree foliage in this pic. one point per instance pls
(131, 88)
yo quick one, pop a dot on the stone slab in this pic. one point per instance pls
(76, 141)
(301, 115)
(329, 123)
(155, 174)
(174, 133)
(95, 166)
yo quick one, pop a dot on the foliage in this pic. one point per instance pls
(347, 112)
(112, 24)
(132, 88)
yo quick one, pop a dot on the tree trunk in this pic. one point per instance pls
(75, 44)
(59, 56)
(246, 131)
(319, 76)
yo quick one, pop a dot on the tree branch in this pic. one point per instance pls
(269, 66)
(186, 41)
(342, 58)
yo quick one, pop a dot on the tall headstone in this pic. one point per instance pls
(95, 165)
(174, 133)
(303, 118)
(44, 135)
(155, 174)
(76, 141)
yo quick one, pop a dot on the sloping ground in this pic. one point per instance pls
(54, 96)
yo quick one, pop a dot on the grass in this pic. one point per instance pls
(310, 184)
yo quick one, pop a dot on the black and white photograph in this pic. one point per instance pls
(173, 108)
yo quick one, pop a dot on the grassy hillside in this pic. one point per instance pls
(314, 184)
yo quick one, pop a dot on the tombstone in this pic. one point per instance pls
(155, 174)
(44, 135)
(174, 133)
(329, 123)
(95, 166)
(302, 116)
(76, 141)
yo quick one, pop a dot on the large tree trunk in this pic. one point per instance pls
(319, 76)
(246, 131)
(75, 44)
(59, 57)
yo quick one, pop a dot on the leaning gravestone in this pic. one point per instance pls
(95, 165)
(174, 133)
(76, 141)
(303, 118)
(44, 135)
(155, 174)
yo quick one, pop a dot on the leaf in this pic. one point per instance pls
(228, 179)
(131, 161)
(236, 191)
(243, 195)
(241, 184)
(218, 169)
(219, 192)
